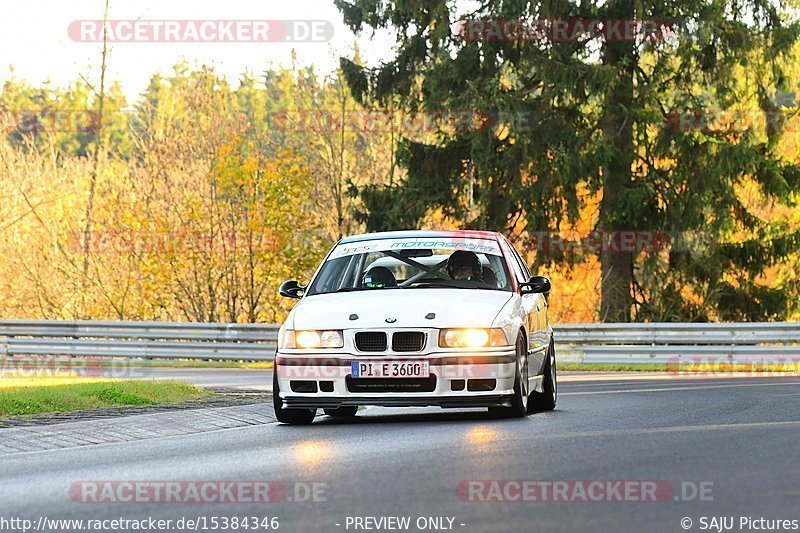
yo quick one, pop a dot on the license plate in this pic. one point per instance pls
(390, 369)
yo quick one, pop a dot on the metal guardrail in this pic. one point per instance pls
(591, 343)
(148, 340)
(734, 342)
(200, 331)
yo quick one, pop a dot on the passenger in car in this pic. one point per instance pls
(489, 276)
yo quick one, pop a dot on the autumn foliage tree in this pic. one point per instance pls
(598, 115)
(201, 220)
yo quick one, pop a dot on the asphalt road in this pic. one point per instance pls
(736, 438)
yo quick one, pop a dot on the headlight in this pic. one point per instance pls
(310, 338)
(472, 338)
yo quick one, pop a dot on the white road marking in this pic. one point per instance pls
(667, 376)
(671, 389)
(788, 424)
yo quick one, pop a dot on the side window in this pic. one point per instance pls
(330, 274)
(335, 274)
(525, 268)
(516, 264)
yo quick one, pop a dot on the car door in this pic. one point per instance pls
(535, 306)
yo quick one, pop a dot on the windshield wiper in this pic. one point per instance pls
(355, 289)
(439, 284)
(444, 284)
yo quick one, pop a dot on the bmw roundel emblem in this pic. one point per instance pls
(391, 320)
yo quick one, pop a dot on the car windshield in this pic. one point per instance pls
(385, 264)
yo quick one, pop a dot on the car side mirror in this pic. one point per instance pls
(291, 289)
(537, 284)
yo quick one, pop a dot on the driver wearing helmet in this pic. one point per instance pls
(463, 265)
(378, 277)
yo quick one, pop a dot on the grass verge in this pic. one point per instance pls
(43, 395)
(46, 362)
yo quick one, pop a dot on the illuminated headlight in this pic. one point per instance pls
(310, 338)
(472, 338)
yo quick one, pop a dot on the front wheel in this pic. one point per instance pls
(519, 403)
(546, 400)
(288, 416)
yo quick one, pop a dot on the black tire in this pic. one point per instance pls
(288, 416)
(546, 401)
(519, 403)
(342, 412)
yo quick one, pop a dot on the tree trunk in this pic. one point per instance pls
(616, 264)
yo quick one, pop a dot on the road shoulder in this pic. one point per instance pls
(132, 428)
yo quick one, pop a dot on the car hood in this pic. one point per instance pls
(452, 307)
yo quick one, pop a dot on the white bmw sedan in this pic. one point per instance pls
(416, 318)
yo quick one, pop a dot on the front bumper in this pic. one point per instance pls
(457, 379)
